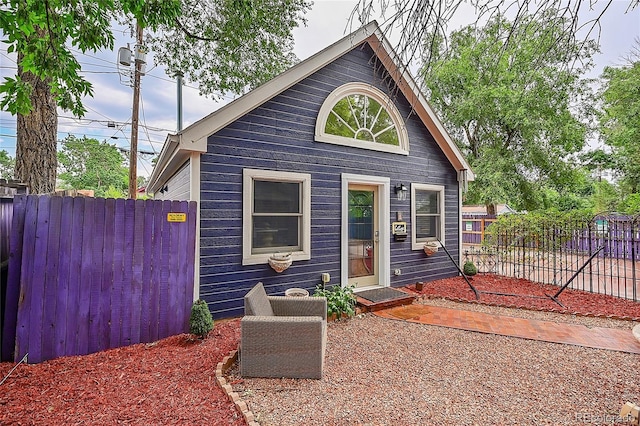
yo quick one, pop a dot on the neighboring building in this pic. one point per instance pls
(481, 210)
(476, 220)
(321, 162)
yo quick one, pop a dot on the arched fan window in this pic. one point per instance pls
(360, 115)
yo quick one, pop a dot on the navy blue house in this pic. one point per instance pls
(338, 165)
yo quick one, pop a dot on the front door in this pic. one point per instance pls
(364, 235)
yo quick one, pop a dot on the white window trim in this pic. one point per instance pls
(384, 217)
(248, 176)
(368, 90)
(419, 245)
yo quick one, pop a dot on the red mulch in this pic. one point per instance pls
(574, 301)
(173, 381)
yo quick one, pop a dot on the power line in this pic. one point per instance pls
(83, 121)
(150, 141)
(144, 121)
(152, 128)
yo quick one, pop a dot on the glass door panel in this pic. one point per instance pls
(363, 236)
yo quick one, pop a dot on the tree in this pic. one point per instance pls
(597, 161)
(226, 45)
(424, 23)
(577, 196)
(89, 164)
(6, 165)
(517, 115)
(620, 120)
(41, 33)
(229, 45)
(605, 197)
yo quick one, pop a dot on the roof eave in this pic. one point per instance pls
(419, 103)
(209, 125)
(194, 138)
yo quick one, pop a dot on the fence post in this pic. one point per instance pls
(634, 229)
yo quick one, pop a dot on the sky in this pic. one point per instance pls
(109, 111)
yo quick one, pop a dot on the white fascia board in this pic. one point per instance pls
(403, 77)
(168, 150)
(199, 131)
(194, 137)
(173, 155)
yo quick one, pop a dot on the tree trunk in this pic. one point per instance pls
(36, 160)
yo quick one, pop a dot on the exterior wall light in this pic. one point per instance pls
(401, 192)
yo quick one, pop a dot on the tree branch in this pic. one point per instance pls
(192, 35)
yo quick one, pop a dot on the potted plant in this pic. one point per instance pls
(296, 292)
(280, 261)
(341, 302)
(430, 248)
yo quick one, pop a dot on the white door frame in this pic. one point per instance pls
(383, 205)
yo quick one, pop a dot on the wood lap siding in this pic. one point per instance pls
(177, 185)
(279, 135)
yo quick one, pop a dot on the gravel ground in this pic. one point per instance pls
(386, 372)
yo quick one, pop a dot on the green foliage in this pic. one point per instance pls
(89, 164)
(577, 198)
(43, 33)
(469, 268)
(515, 104)
(113, 192)
(630, 204)
(620, 120)
(224, 45)
(7, 165)
(597, 160)
(421, 25)
(605, 197)
(548, 229)
(229, 45)
(200, 321)
(340, 300)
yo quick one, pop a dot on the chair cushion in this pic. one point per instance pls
(256, 302)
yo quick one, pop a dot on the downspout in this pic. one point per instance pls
(194, 195)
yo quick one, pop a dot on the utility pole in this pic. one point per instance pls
(179, 76)
(133, 153)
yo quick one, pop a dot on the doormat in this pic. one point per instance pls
(382, 294)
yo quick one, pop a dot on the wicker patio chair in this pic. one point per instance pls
(282, 336)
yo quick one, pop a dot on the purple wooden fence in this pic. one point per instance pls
(89, 274)
(6, 214)
(474, 227)
(619, 235)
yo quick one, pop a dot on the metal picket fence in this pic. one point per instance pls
(603, 253)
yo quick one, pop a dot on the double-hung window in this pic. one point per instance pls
(276, 215)
(427, 214)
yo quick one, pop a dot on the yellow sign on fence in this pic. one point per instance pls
(176, 217)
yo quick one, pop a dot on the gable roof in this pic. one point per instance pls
(178, 147)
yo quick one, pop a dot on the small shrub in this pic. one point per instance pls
(201, 321)
(340, 300)
(469, 268)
